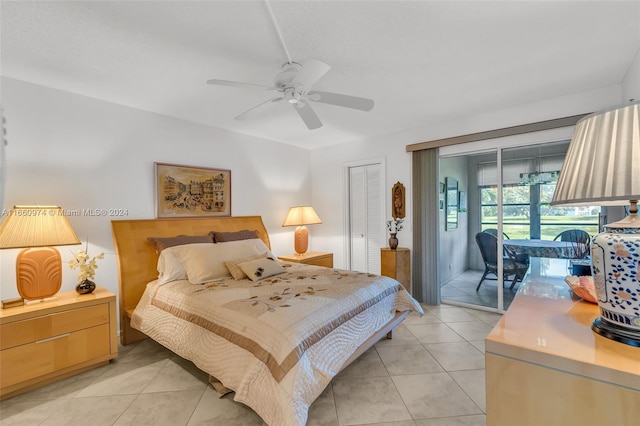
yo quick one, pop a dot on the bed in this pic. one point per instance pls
(275, 337)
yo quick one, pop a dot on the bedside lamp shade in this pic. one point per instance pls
(602, 167)
(38, 266)
(299, 217)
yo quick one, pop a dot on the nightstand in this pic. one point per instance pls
(396, 264)
(310, 258)
(47, 341)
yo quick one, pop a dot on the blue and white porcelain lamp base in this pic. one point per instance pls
(615, 255)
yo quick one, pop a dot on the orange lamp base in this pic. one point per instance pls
(38, 272)
(301, 239)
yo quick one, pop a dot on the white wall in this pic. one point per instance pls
(81, 153)
(631, 81)
(329, 190)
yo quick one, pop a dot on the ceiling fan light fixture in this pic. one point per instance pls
(291, 95)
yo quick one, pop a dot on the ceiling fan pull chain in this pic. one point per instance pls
(275, 24)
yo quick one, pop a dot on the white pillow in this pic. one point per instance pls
(205, 262)
(169, 268)
(256, 242)
(261, 268)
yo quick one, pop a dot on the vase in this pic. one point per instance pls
(616, 269)
(393, 242)
(85, 286)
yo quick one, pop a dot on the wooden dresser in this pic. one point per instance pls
(545, 366)
(396, 264)
(47, 341)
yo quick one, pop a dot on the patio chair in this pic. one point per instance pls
(574, 236)
(512, 264)
(494, 232)
(580, 241)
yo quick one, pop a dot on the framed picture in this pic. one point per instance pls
(186, 191)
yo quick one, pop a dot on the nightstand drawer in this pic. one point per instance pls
(326, 261)
(31, 330)
(55, 353)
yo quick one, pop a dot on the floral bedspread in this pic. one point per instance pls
(276, 342)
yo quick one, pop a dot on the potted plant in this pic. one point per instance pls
(87, 269)
(394, 226)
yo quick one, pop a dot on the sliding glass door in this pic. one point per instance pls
(468, 261)
(506, 193)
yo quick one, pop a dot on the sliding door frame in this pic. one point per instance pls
(426, 282)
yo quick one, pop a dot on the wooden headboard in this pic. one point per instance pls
(137, 259)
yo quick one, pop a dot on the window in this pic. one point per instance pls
(529, 180)
(555, 219)
(515, 211)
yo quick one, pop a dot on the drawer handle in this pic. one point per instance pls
(53, 338)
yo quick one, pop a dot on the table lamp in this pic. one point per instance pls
(38, 266)
(301, 216)
(602, 167)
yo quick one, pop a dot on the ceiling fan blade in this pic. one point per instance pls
(241, 116)
(236, 84)
(337, 99)
(312, 70)
(308, 116)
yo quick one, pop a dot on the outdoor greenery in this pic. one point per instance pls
(517, 227)
(517, 211)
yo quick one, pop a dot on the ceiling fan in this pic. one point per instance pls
(293, 84)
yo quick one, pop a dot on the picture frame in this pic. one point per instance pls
(191, 191)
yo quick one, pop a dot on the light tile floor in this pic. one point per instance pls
(430, 373)
(462, 288)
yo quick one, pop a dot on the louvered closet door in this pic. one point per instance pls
(366, 221)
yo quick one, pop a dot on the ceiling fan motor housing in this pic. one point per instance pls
(284, 77)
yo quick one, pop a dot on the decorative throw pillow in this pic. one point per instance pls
(223, 237)
(205, 262)
(169, 268)
(234, 268)
(161, 243)
(261, 268)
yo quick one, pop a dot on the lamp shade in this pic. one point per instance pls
(301, 215)
(602, 165)
(36, 226)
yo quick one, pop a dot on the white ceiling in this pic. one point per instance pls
(421, 61)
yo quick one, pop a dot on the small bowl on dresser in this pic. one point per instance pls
(583, 287)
